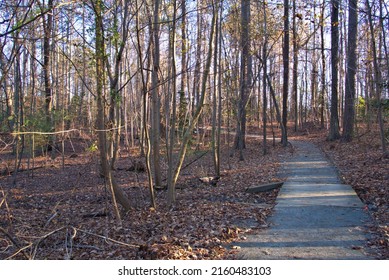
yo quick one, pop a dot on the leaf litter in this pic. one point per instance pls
(64, 211)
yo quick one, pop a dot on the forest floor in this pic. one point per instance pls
(61, 209)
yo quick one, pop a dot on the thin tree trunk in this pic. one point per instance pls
(145, 130)
(184, 51)
(245, 78)
(199, 107)
(219, 113)
(378, 81)
(171, 134)
(47, 29)
(155, 123)
(116, 192)
(323, 70)
(334, 119)
(295, 69)
(216, 104)
(4, 81)
(285, 89)
(275, 104)
(264, 84)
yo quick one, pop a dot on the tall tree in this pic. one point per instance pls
(264, 83)
(378, 84)
(156, 102)
(295, 68)
(171, 132)
(184, 55)
(119, 42)
(145, 130)
(285, 88)
(216, 104)
(245, 77)
(47, 22)
(334, 118)
(116, 192)
(351, 68)
(199, 108)
(323, 62)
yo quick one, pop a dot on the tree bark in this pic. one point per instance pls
(295, 69)
(199, 107)
(245, 78)
(184, 51)
(285, 88)
(47, 29)
(278, 113)
(264, 83)
(378, 81)
(170, 136)
(351, 67)
(334, 133)
(156, 102)
(323, 70)
(116, 192)
(114, 78)
(145, 130)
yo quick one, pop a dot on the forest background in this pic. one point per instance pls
(155, 88)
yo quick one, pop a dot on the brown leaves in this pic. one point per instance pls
(205, 219)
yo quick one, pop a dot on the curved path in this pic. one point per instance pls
(315, 217)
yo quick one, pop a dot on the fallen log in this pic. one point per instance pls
(210, 180)
(265, 187)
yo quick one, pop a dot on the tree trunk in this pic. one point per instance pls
(199, 108)
(145, 130)
(334, 118)
(245, 78)
(197, 70)
(264, 84)
(4, 81)
(295, 69)
(170, 136)
(285, 89)
(278, 113)
(216, 101)
(47, 29)
(378, 80)
(351, 66)
(114, 79)
(156, 102)
(184, 54)
(116, 192)
(323, 70)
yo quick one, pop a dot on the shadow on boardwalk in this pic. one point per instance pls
(315, 217)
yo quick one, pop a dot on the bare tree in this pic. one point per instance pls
(295, 68)
(171, 133)
(245, 78)
(47, 21)
(114, 75)
(351, 67)
(285, 88)
(117, 193)
(264, 83)
(334, 118)
(199, 109)
(156, 102)
(378, 80)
